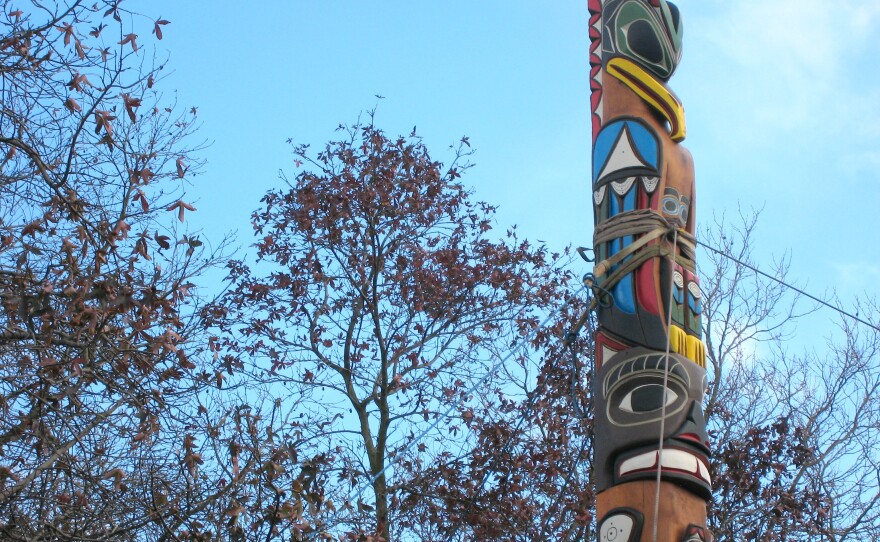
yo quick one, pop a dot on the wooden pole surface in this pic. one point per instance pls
(678, 509)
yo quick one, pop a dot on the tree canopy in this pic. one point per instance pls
(386, 364)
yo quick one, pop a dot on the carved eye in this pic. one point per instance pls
(684, 213)
(671, 205)
(643, 41)
(647, 398)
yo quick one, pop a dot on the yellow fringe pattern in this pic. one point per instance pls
(687, 345)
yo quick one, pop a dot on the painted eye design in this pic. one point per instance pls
(678, 278)
(647, 398)
(684, 213)
(671, 205)
(634, 390)
(678, 291)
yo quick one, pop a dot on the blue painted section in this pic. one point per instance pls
(623, 291)
(644, 141)
(678, 294)
(695, 306)
(646, 144)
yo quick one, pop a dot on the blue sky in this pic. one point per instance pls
(781, 98)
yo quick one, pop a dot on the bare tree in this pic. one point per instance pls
(795, 434)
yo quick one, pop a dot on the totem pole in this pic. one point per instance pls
(651, 462)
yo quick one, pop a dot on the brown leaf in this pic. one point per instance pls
(114, 10)
(33, 228)
(130, 105)
(77, 81)
(67, 29)
(180, 205)
(132, 39)
(157, 27)
(71, 105)
(162, 240)
(103, 120)
(80, 50)
(140, 196)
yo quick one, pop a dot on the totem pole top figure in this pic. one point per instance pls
(651, 37)
(641, 46)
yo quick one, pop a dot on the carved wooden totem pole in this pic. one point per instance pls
(651, 462)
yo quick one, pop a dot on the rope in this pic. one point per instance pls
(665, 382)
(650, 225)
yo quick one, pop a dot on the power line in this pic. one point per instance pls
(787, 285)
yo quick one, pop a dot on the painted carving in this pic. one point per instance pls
(634, 392)
(621, 525)
(648, 294)
(695, 533)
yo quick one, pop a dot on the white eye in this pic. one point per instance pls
(647, 398)
(671, 206)
(678, 279)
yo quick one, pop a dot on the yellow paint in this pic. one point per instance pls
(687, 345)
(677, 340)
(652, 91)
(696, 351)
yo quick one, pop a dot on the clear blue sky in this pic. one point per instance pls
(782, 101)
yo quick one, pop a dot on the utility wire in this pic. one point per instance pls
(787, 285)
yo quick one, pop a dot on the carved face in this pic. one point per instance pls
(648, 32)
(633, 397)
(675, 207)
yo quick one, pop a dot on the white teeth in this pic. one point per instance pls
(599, 195)
(704, 472)
(650, 183)
(622, 187)
(639, 462)
(673, 459)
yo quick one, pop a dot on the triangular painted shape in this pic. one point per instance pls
(622, 156)
(607, 353)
